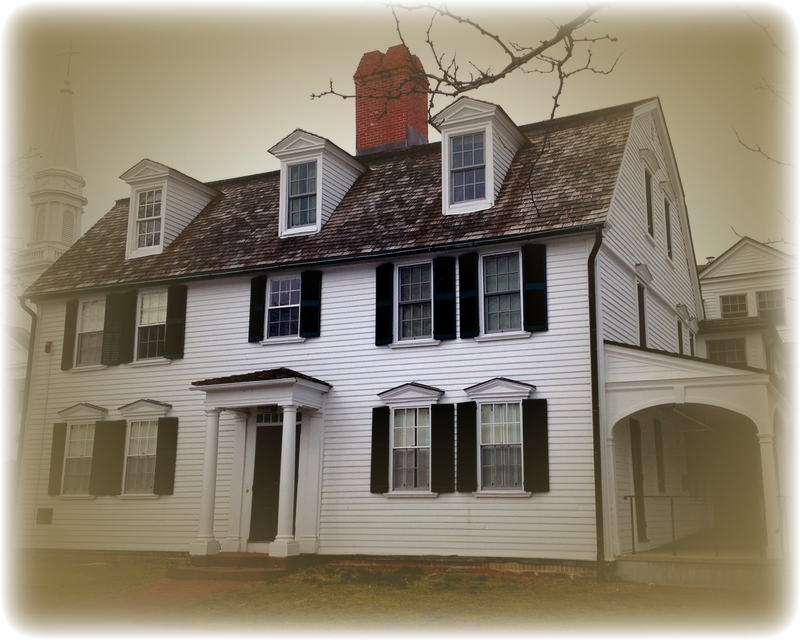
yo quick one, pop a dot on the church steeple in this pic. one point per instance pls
(57, 200)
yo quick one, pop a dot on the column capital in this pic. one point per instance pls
(215, 411)
(290, 407)
(766, 438)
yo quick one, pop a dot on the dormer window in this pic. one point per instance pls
(468, 167)
(148, 219)
(302, 195)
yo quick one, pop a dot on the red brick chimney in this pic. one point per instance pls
(401, 122)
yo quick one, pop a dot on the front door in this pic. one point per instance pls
(267, 474)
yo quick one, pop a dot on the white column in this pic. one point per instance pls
(205, 544)
(285, 544)
(766, 443)
(233, 541)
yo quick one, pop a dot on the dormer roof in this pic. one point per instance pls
(396, 207)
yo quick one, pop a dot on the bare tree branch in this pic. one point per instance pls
(781, 241)
(760, 151)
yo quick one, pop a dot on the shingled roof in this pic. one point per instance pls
(395, 207)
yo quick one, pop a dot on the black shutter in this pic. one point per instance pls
(70, 329)
(258, 296)
(111, 329)
(57, 458)
(379, 463)
(467, 433)
(384, 304)
(127, 330)
(444, 298)
(443, 452)
(468, 295)
(166, 450)
(534, 443)
(176, 321)
(310, 296)
(108, 456)
(534, 291)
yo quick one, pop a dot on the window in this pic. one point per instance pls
(730, 351)
(41, 219)
(78, 458)
(770, 306)
(415, 302)
(734, 306)
(648, 192)
(680, 337)
(90, 332)
(468, 167)
(668, 228)
(640, 300)
(140, 461)
(67, 227)
(501, 293)
(501, 446)
(152, 325)
(284, 307)
(148, 219)
(303, 194)
(411, 449)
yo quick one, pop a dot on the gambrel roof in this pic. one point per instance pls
(395, 207)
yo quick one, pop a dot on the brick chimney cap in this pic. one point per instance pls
(395, 57)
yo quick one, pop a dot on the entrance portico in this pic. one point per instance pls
(239, 394)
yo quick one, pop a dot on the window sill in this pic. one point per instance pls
(410, 494)
(467, 206)
(511, 493)
(76, 496)
(89, 367)
(149, 362)
(502, 335)
(282, 340)
(138, 496)
(300, 231)
(419, 342)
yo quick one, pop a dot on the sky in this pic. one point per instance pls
(208, 88)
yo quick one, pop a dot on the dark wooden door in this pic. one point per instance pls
(266, 482)
(638, 480)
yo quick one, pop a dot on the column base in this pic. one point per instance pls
(229, 545)
(204, 548)
(284, 548)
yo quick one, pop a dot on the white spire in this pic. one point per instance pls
(61, 152)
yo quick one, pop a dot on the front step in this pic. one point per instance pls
(238, 559)
(238, 574)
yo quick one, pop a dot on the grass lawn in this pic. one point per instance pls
(337, 599)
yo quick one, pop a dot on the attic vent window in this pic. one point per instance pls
(148, 219)
(468, 167)
(303, 194)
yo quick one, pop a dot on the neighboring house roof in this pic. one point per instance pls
(770, 258)
(17, 334)
(395, 207)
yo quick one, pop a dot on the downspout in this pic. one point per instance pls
(25, 396)
(596, 445)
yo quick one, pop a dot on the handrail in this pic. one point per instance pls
(672, 518)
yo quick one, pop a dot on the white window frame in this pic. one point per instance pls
(284, 228)
(478, 204)
(736, 314)
(759, 309)
(398, 304)
(518, 445)
(483, 296)
(134, 251)
(499, 391)
(736, 339)
(139, 411)
(128, 433)
(70, 427)
(268, 307)
(79, 333)
(393, 447)
(139, 300)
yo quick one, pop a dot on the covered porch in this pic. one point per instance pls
(272, 507)
(694, 453)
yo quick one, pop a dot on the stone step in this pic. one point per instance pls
(241, 560)
(240, 574)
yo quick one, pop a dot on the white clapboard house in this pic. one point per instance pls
(479, 347)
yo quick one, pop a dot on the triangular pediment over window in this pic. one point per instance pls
(83, 411)
(410, 394)
(145, 408)
(501, 389)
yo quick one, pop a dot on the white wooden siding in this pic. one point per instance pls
(627, 243)
(182, 205)
(558, 524)
(337, 178)
(504, 151)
